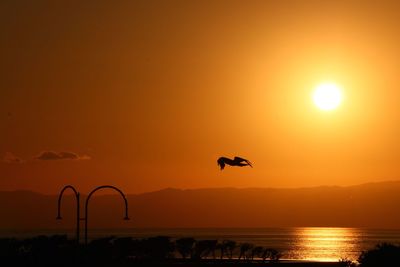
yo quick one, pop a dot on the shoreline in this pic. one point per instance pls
(223, 262)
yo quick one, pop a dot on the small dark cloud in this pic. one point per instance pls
(51, 155)
(10, 158)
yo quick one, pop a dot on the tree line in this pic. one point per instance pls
(58, 250)
(61, 250)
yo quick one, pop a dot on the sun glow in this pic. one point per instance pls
(327, 244)
(327, 96)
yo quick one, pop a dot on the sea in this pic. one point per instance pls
(299, 243)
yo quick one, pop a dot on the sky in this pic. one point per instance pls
(147, 95)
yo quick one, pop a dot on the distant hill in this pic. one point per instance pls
(375, 205)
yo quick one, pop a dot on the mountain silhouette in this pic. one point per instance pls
(369, 205)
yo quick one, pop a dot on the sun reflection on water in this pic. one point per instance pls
(327, 244)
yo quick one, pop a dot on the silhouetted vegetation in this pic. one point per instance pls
(382, 255)
(203, 248)
(185, 246)
(40, 250)
(244, 250)
(347, 262)
(230, 247)
(58, 250)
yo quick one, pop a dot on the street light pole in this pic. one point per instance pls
(87, 204)
(77, 208)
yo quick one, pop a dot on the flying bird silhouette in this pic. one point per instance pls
(237, 161)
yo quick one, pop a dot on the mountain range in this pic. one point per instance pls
(373, 205)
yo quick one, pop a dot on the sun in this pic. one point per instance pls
(327, 96)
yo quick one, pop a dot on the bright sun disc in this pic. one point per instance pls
(327, 96)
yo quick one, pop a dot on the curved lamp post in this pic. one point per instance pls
(77, 196)
(87, 204)
(77, 208)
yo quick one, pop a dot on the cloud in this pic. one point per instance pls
(51, 155)
(10, 158)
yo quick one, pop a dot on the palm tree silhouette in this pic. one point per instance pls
(211, 247)
(222, 248)
(203, 248)
(256, 252)
(236, 161)
(185, 246)
(230, 246)
(200, 249)
(244, 248)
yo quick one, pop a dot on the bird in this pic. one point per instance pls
(236, 161)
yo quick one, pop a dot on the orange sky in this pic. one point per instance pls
(147, 94)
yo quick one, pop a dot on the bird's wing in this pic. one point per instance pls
(250, 164)
(239, 159)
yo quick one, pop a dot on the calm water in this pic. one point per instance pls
(308, 243)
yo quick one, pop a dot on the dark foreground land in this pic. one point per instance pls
(235, 263)
(157, 251)
(161, 251)
(222, 263)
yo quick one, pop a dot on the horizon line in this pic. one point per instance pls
(218, 188)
